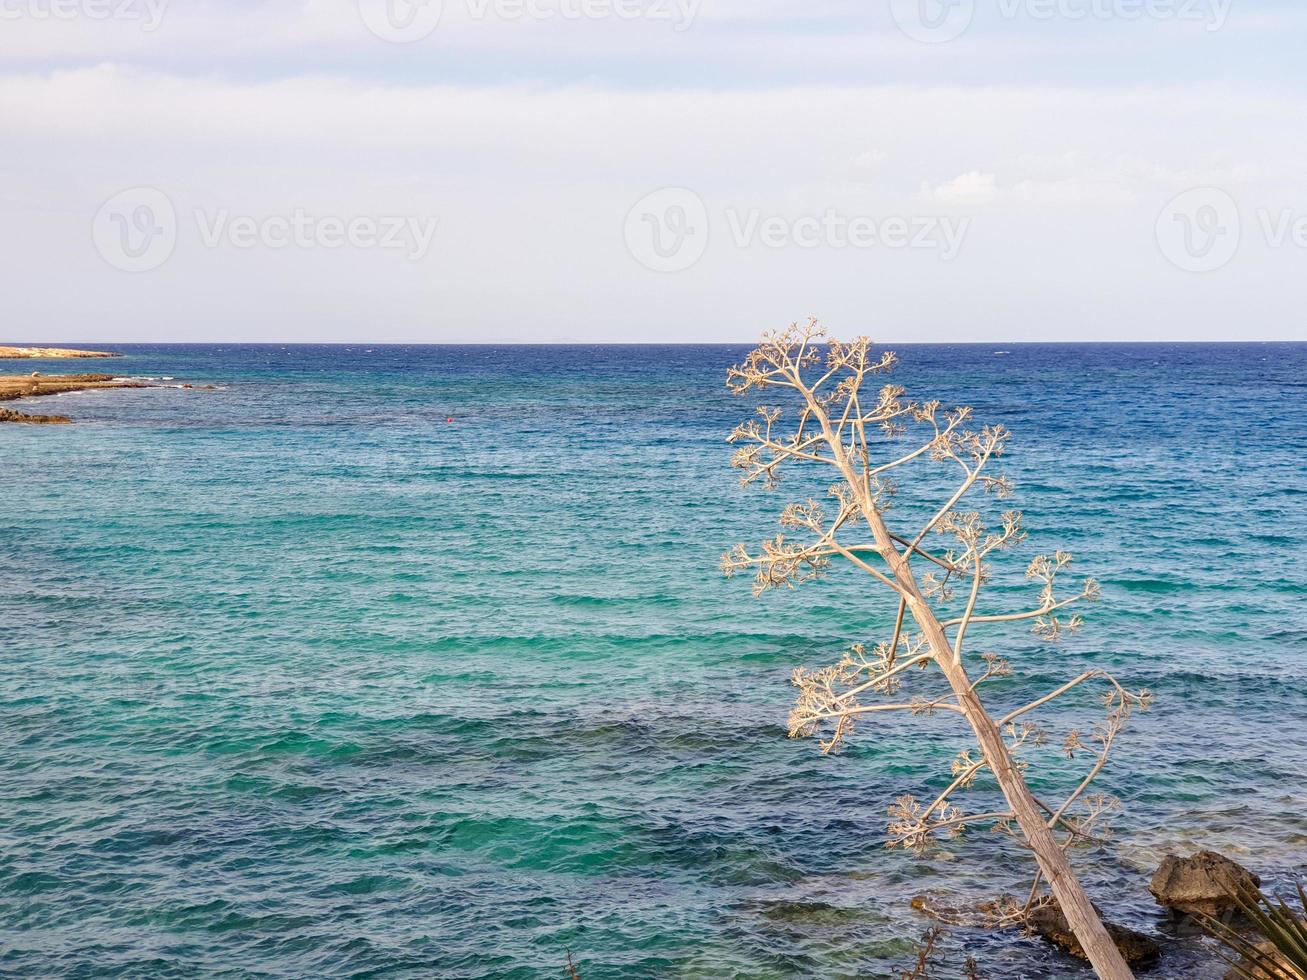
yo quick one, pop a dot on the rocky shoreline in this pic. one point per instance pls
(14, 386)
(24, 353)
(1201, 887)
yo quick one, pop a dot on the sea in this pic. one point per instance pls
(416, 661)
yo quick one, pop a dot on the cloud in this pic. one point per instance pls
(531, 185)
(742, 44)
(972, 187)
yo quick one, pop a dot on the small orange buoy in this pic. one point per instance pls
(450, 419)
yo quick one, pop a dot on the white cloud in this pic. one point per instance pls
(531, 185)
(727, 43)
(972, 187)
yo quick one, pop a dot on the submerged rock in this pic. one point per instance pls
(975, 915)
(1205, 883)
(811, 913)
(1045, 920)
(1049, 922)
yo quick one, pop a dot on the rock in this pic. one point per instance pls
(1205, 883)
(1246, 968)
(8, 353)
(1049, 922)
(9, 415)
(14, 386)
(27, 386)
(1046, 920)
(810, 913)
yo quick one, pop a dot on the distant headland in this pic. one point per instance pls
(22, 353)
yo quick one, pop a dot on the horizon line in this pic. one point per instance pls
(624, 343)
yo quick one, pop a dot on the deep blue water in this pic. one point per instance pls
(302, 680)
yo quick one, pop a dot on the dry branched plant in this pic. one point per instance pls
(925, 950)
(927, 964)
(834, 414)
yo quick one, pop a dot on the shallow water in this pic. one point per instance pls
(303, 680)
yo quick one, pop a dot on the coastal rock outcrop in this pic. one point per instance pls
(20, 353)
(36, 384)
(1046, 921)
(9, 415)
(1049, 922)
(1205, 883)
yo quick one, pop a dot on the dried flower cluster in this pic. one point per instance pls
(832, 418)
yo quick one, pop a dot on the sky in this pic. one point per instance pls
(427, 171)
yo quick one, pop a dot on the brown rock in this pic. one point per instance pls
(14, 386)
(9, 415)
(29, 386)
(1205, 883)
(1049, 922)
(1046, 920)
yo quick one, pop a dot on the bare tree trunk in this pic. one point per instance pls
(1106, 959)
(1080, 915)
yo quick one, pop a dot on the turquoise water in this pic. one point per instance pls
(303, 680)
